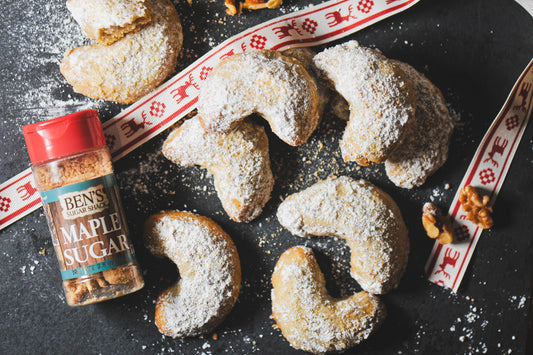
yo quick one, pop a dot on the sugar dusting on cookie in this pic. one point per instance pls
(364, 216)
(308, 317)
(208, 265)
(124, 11)
(381, 100)
(107, 21)
(425, 146)
(131, 67)
(265, 82)
(239, 161)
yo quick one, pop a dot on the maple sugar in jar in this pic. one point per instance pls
(73, 171)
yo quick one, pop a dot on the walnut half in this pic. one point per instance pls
(435, 224)
(476, 208)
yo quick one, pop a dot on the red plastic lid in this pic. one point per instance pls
(63, 136)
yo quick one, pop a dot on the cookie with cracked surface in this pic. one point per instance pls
(364, 216)
(309, 318)
(132, 66)
(239, 161)
(266, 82)
(107, 21)
(207, 261)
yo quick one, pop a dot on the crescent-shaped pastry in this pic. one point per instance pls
(425, 146)
(209, 268)
(239, 161)
(363, 215)
(305, 56)
(309, 318)
(380, 96)
(132, 66)
(266, 82)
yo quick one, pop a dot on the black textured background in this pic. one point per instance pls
(473, 50)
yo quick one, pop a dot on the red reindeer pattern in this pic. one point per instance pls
(131, 127)
(448, 259)
(180, 93)
(228, 54)
(284, 31)
(497, 148)
(336, 17)
(524, 91)
(26, 191)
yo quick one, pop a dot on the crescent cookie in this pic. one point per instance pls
(107, 21)
(239, 161)
(380, 96)
(209, 269)
(309, 318)
(131, 67)
(305, 56)
(363, 215)
(265, 82)
(425, 146)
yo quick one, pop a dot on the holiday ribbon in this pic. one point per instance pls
(447, 263)
(159, 110)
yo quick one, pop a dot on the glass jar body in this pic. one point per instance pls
(89, 232)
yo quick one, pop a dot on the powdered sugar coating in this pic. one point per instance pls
(365, 216)
(309, 318)
(209, 268)
(305, 56)
(131, 67)
(265, 82)
(106, 21)
(239, 161)
(380, 95)
(425, 146)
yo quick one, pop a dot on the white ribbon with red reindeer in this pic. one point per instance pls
(157, 111)
(447, 263)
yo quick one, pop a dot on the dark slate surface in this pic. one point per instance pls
(473, 50)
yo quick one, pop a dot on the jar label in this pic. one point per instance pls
(81, 199)
(88, 226)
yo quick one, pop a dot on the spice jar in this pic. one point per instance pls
(73, 172)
